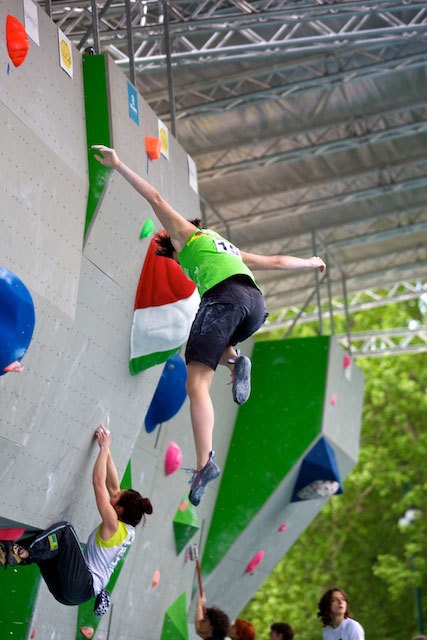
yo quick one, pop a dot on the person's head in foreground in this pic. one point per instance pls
(214, 624)
(281, 631)
(241, 630)
(333, 607)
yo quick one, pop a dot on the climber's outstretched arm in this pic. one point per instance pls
(175, 224)
(285, 263)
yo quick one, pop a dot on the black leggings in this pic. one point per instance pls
(58, 553)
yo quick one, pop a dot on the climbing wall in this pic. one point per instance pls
(71, 233)
(83, 287)
(304, 391)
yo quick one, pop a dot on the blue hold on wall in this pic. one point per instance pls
(169, 395)
(17, 319)
(318, 465)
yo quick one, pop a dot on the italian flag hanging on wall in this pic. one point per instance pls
(165, 305)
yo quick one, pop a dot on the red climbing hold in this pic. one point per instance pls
(254, 562)
(17, 41)
(282, 527)
(346, 361)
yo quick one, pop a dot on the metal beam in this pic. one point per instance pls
(360, 282)
(327, 148)
(167, 45)
(129, 37)
(399, 222)
(317, 205)
(293, 88)
(389, 342)
(358, 301)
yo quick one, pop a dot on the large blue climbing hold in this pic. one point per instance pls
(318, 465)
(169, 395)
(17, 319)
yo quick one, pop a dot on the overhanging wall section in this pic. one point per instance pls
(303, 389)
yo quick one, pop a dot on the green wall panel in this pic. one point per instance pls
(97, 127)
(18, 589)
(273, 429)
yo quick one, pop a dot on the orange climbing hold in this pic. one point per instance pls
(14, 367)
(87, 631)
(153, 147)
(156, 578)
(17, 41)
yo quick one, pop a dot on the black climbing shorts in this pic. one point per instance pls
(229, 313)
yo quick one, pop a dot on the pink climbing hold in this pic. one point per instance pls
(183, 505)
(346, 361)
(254, 562)
(87, 631)
(282, 527)
(333, 399)
(173, 458)
(156, 578)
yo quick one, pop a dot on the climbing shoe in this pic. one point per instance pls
(201, 478)
(241, 379)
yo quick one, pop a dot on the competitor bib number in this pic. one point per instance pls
(223, 246)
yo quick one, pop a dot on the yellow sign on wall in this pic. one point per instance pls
(164, 137)
(65, 53)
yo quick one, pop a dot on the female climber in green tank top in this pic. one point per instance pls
(207, 259)
(232, 308)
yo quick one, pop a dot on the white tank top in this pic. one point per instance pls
(102, 556)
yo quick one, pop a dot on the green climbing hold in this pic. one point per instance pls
(185, 524)
(175, 622)
(148, 229)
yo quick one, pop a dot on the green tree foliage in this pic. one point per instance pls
(356, 542)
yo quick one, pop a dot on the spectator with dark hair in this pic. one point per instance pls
(335, 614)
(74, 576)
(281, 631)
(211, 623)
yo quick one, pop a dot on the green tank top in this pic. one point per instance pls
(207, 259)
